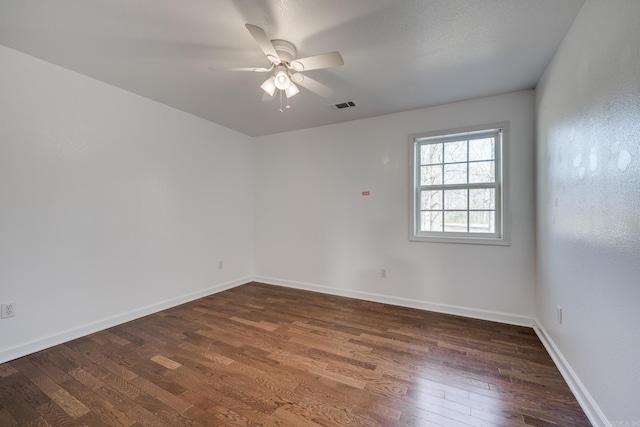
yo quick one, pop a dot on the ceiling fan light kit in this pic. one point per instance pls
(269, 86)
(282, 78)
(287, 69)
(291, 90)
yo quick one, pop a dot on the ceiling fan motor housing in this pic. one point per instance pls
(286, 50)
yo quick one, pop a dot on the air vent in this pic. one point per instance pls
(342, 105)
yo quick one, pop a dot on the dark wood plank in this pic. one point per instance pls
(272, 356)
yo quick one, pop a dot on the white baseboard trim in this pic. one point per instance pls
(90, 328)
(494, 316)
(589, 406)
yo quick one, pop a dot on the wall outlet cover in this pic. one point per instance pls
(8, 310)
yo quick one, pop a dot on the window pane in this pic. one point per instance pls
(455, 199)
(482, 149)
(455, 173)
(431, 200)
(455, 151)
(431, 221)
(430, 154)
(482, 222)
(455, 221)
(482, 198)
(431, 175)
(482, 172)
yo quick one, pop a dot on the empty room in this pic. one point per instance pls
(320, 213)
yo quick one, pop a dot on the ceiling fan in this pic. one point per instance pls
(287, 68)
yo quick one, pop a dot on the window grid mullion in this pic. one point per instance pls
(468, 215)
(442, 193)
(442, 164)
(442, 203)
(477, 186)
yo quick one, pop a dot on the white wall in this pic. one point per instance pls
(314, 230)
(112, 205)
(588, 203)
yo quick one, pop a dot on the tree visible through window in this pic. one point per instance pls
(457, 186)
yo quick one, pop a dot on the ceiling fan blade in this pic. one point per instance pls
(255, 69)
(313, 85)
(316, 62)
(265, 44)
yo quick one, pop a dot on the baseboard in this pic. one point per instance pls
(90, 328)
(589, 406)
(494, 316)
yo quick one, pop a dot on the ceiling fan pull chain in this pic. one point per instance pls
(281, 110)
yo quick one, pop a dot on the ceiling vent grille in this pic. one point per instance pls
(342, 105)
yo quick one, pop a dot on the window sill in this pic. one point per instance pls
(496, 241)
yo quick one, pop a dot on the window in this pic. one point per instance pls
(457, 186)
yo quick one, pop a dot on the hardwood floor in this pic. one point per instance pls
(265, 355)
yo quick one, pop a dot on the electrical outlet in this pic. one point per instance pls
(8, 310)
(383, 273)
(559, 314)
(219, 265)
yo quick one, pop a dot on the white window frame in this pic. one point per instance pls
(501, 235)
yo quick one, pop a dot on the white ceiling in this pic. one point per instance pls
(399, 55)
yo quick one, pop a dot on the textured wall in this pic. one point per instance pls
(314, 229)
(588, 202)
(111, 204)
